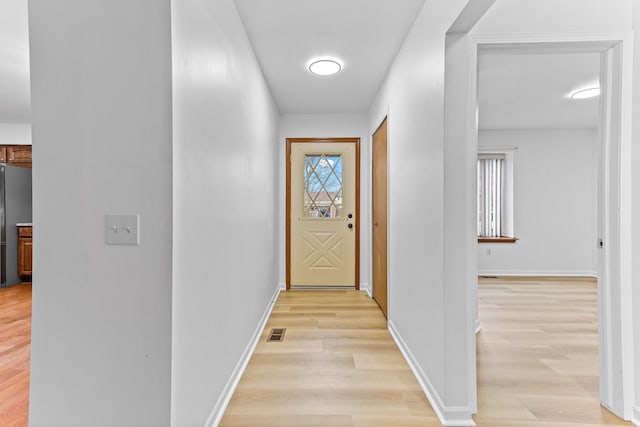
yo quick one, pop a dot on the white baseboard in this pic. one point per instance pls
(221, 405)
(527, 273)
(366, 287)
(282, 286)
(478, 326)
(636, 416)
(448, 416)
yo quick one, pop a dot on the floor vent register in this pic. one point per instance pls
(276, 335)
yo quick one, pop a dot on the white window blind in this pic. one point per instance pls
(490, 194)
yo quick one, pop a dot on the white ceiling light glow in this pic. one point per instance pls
(590, 92)
(325, 66)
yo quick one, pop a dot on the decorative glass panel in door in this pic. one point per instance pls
(323, 186)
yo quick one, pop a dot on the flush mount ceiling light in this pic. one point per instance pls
(590, 92)
(325, 66)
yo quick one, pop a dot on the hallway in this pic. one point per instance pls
(175, 114)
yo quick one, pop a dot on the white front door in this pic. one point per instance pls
(323, 214)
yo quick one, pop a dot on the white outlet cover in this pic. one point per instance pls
(122, 229)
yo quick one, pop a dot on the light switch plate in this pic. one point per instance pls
(123, 229)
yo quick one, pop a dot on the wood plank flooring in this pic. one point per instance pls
(537, 354)
(15, 346)
(338, 365)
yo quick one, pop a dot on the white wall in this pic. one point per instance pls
(101, 92)
(15, 134)
(554, 204)
(226, 203)
(329, 126)
(636, 206)
(413, 94)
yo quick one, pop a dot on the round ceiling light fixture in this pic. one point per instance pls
(325, 66)
(590, 92)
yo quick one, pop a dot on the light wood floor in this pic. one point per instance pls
(538, 354)
(15, 345)
(339, 366)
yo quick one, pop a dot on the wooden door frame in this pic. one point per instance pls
(290, 141)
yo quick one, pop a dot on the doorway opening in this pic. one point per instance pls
(606, 239)
(15, 213)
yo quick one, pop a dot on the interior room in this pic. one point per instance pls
(549, 138)
(165, 134)
(16, 235)
(15, 147)
(526, 109)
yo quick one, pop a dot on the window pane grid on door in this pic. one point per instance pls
(323, 186)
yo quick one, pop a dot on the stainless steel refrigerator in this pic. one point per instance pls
(15, 207)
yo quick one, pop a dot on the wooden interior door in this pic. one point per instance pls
(379, 216)
(323, 220)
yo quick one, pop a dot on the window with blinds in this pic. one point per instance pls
(490, 194)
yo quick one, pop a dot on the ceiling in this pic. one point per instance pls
(365, 34)
(529, 90)
(15, 103)
(517, 90)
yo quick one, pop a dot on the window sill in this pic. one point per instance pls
(497, 240)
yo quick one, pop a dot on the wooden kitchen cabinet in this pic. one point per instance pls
(25, 251)
(18, 155)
